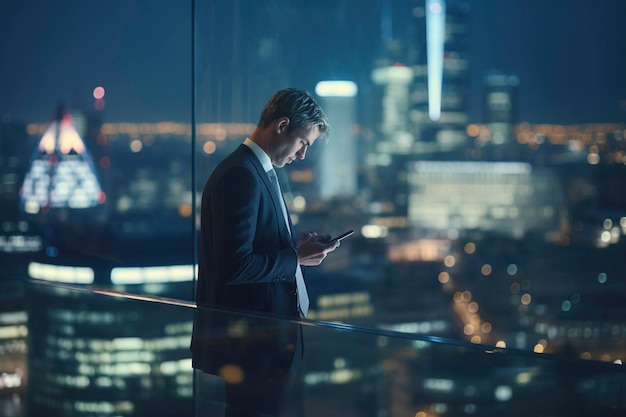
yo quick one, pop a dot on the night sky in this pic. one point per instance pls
(570, 56)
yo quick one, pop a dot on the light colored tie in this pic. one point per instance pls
(303, 297)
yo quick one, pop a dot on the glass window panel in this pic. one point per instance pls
(483, 177)
(480, 175)
(96, 145)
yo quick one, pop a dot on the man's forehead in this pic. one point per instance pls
(312, 133)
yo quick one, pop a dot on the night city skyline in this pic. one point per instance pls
(415, 209)
(486, 273)
(567, 55)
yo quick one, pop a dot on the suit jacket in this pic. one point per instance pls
(247, 260)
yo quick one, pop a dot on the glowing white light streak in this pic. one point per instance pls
(13, 317)
(11, 380)
(336, 89)
(175, 367)
(13, 332)
(125, 369)
(58, 273)
(152, 274)
(435, 30)
(372, 231)
(127, 343)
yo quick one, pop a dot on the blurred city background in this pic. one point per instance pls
(478, 150)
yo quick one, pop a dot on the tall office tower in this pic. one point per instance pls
(423, 95)
(500, 105)
(337, 164)
(439, 104)
(395, 80)
(387, 160)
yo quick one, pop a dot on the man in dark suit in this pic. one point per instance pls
(250, 259)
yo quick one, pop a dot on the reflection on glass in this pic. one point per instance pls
(98, 355)
(446, 246)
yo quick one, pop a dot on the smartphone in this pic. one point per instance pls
(341, 236)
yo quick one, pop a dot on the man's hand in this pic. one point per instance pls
(313, 248)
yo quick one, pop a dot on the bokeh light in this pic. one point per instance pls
(98, 93)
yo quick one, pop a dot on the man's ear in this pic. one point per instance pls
(282, 124)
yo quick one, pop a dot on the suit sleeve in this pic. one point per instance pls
(249, 249)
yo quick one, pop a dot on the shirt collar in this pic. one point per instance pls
(263, 158)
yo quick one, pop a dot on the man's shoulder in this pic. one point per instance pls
(242, 156)
(237, 166)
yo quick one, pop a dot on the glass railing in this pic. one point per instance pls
(73, 351)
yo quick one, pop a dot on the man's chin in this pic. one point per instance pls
(285, 162)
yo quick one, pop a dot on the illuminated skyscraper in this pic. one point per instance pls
(440, 63)
(338, 165)
(61, 172)
(424, 108)
(395, 81)
(500, 105)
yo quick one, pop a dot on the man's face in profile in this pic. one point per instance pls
(291, 144)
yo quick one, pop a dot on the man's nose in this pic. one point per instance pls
(302, 152)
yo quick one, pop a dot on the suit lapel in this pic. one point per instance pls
(271, 191)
